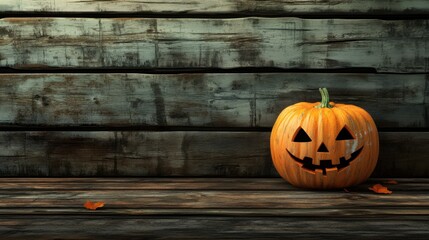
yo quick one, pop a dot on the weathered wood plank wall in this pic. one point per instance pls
(58, 71)
(176, 153)
(205, 100)
(390, 46)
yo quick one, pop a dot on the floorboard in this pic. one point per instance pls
(208, 208)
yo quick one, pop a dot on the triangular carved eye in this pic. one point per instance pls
(301, 136)
(345, 134)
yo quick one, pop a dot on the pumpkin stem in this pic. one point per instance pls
(325, 99)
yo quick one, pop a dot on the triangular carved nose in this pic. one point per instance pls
(322, 148)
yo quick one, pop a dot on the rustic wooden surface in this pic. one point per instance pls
(271, 7)
(205, 36)
(183, 208)
(208, 100)
(190, 227)
(40, 43)
(177, 153)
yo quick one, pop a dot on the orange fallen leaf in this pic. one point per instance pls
(93, 205)
(378, 188)
(390, 181)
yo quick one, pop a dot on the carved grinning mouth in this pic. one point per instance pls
(307, 162)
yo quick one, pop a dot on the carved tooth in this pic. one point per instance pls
(348, 156)
(309, 171)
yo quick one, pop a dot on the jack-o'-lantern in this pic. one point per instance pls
(324, 145)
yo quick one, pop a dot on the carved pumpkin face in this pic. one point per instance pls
(324, 147)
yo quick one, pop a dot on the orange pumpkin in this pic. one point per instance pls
(324, 145)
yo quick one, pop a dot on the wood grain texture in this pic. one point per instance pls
(271, 7)
(102, 227)
(190, 153)
(208, 208)
(172, 199)
(202, 100)
(390, 46)
(133, 154)
(59, 199)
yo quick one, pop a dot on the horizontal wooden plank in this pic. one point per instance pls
(132, 154)
(140, 199)
(39, 43)
(205, 100)
(92, 227)
(268, 198)
(241, 154)
(271, 7)
(211, 199)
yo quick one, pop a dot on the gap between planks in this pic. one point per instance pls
(187, 8)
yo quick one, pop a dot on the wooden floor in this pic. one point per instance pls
(208, 208)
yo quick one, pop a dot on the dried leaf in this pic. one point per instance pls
(390, 181)
(93, 205)
(378, 188)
